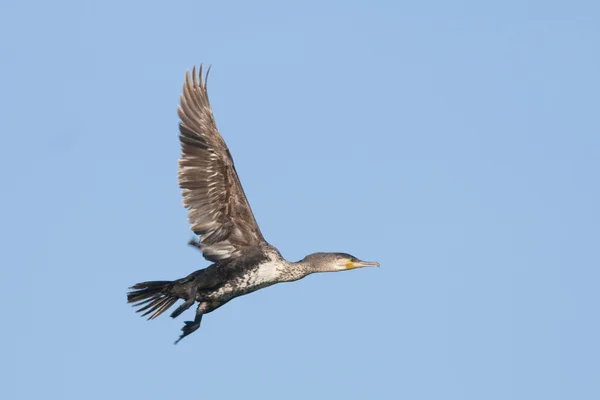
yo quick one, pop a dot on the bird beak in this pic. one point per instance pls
(361, 264)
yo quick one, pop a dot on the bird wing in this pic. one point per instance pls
(218, 209)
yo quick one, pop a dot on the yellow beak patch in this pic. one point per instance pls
(351, 265)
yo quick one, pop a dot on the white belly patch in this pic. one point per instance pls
(265, 275)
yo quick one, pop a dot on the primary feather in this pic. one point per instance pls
(218, 209)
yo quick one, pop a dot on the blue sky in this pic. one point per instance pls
(457, 143)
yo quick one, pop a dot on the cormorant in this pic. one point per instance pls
(220, 215)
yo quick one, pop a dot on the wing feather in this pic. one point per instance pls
(218, 209)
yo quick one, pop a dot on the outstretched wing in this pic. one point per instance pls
(218, 209)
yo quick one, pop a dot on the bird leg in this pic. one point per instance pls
(187, 304)
(192, 326)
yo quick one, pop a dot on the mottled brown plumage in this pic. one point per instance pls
(219, 213)
(218, 209)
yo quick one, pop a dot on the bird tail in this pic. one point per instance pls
(152, 297)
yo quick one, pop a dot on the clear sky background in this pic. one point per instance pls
(455, 142)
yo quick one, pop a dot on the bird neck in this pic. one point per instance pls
(302, 268)
(292, 271)
(297, 270)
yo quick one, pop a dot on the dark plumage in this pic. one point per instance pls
(220, 215)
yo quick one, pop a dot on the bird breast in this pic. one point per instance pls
(263, 275)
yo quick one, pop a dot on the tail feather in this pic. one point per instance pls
(155, 297)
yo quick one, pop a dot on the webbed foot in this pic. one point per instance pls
(190, 327)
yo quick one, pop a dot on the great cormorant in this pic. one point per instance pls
(220, 215)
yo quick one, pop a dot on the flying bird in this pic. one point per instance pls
(219, 213)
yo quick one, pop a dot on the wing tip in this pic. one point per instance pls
(198, 77)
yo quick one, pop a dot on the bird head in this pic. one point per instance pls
(333, 262)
